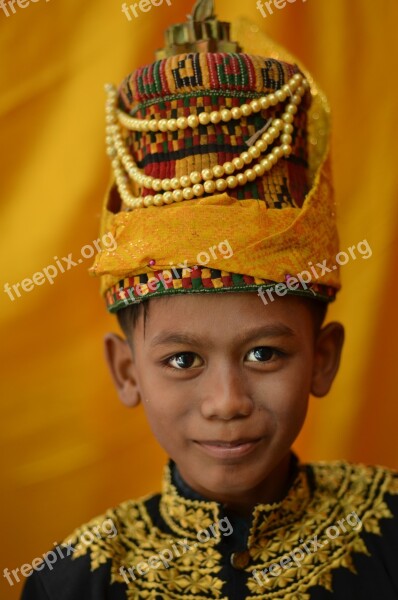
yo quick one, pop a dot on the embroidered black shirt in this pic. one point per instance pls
(334, 535)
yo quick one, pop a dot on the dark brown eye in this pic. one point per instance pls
(184, 360)
(261, 354)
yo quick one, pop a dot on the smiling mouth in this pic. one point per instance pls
(222, 449)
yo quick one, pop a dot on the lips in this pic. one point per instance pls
(228, 449)
(229, 444)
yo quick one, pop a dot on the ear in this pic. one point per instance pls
(328, 348)
(119, 358)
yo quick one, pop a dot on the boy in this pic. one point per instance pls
(227, 256)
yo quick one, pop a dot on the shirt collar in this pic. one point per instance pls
(187, 512)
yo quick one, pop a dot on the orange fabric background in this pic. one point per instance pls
(69, 450)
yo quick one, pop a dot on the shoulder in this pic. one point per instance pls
(370, 493)
(104, 531)
(341, 476)
(84, 562)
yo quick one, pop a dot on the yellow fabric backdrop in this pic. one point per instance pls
(68, 449)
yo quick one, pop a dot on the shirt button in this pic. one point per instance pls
(240, 560)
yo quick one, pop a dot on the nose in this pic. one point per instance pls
(225, 394)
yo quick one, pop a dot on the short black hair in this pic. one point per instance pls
(128, 316)
(319, 310)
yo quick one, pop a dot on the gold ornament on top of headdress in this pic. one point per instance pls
(202, 32)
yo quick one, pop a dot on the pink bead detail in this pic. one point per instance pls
(152, 262)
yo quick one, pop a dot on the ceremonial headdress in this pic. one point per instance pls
(211, 144)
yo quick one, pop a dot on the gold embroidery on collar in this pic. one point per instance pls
(186, 517)
(339, 489)
(268, 517)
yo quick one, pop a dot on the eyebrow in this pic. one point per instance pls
(274, 330)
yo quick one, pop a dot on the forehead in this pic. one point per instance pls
(224, 316)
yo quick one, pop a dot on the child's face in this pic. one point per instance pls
(225, 381)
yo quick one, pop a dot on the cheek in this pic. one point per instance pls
(163, 423)
(166, 408)
(285, 395)
(291, 414)
(289, 383)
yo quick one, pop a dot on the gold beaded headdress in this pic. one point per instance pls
(210, 145)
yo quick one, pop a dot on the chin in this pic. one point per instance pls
(234, 478)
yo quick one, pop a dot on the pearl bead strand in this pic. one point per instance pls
(188, 187)
(216, 116)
